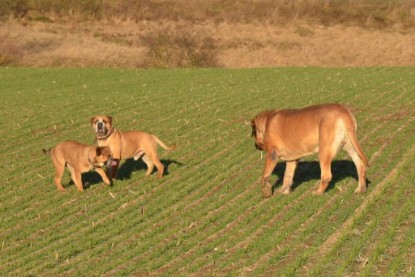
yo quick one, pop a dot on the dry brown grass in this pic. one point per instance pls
(367, 13)
(196, 33)
(9, 52)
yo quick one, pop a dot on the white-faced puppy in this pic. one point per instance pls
(292, 134)
(78, 158)
(131, 144)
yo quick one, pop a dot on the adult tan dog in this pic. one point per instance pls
(132, 144)
(78, 158)
(292, 134)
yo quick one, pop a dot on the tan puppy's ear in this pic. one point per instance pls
(99, 150)
(110, 118)
(92, 120)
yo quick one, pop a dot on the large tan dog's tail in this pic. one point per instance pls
(351, 133)
(169, 148)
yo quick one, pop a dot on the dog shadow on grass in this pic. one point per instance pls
(89, 179)
(310, 170)
(125, 172)
(127, 168)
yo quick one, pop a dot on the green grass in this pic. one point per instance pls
(207, 215)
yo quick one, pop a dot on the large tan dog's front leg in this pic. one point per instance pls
(270, 163)
(112, 171)
(288, 177)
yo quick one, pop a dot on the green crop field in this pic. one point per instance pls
(206, 216)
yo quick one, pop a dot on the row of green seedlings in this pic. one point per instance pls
(388, 189)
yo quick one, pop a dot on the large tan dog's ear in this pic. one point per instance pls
(253, 128)
(92, 120)
(109, 118)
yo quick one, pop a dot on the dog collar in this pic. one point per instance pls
(107, 135)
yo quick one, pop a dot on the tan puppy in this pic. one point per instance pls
(292, 134)
(132, 144)
(78, 158)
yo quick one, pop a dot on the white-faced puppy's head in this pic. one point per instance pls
(102, 126)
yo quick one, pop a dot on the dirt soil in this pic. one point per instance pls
(120, 44)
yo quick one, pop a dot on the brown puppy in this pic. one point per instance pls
(132, 144)
(292, 134)
(78, 158)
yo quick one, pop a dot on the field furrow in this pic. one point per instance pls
(335, 241)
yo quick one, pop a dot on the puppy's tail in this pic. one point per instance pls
(46, 152)
(169, 148)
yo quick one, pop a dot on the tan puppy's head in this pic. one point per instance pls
(103, 157)
(102, 125)
(258, 125)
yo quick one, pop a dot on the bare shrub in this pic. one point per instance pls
(179, 47)
(13, 8)
(10, 52)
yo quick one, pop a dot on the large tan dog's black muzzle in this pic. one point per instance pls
(101, 129)
(110, 162)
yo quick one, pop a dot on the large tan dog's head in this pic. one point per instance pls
(103, 157)
(102, 126)
(258, 125)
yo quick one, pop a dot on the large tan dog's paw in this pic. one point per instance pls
(360, 190)
(285, 190)
(318, 191)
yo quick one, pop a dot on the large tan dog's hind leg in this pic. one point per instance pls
(270, 163)
(360, 167)
(328, 147)
(329, 144)
(76, 178)
(325, 158)
(149, 163)
(288, 177)
(59, 170)
(153, 160)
